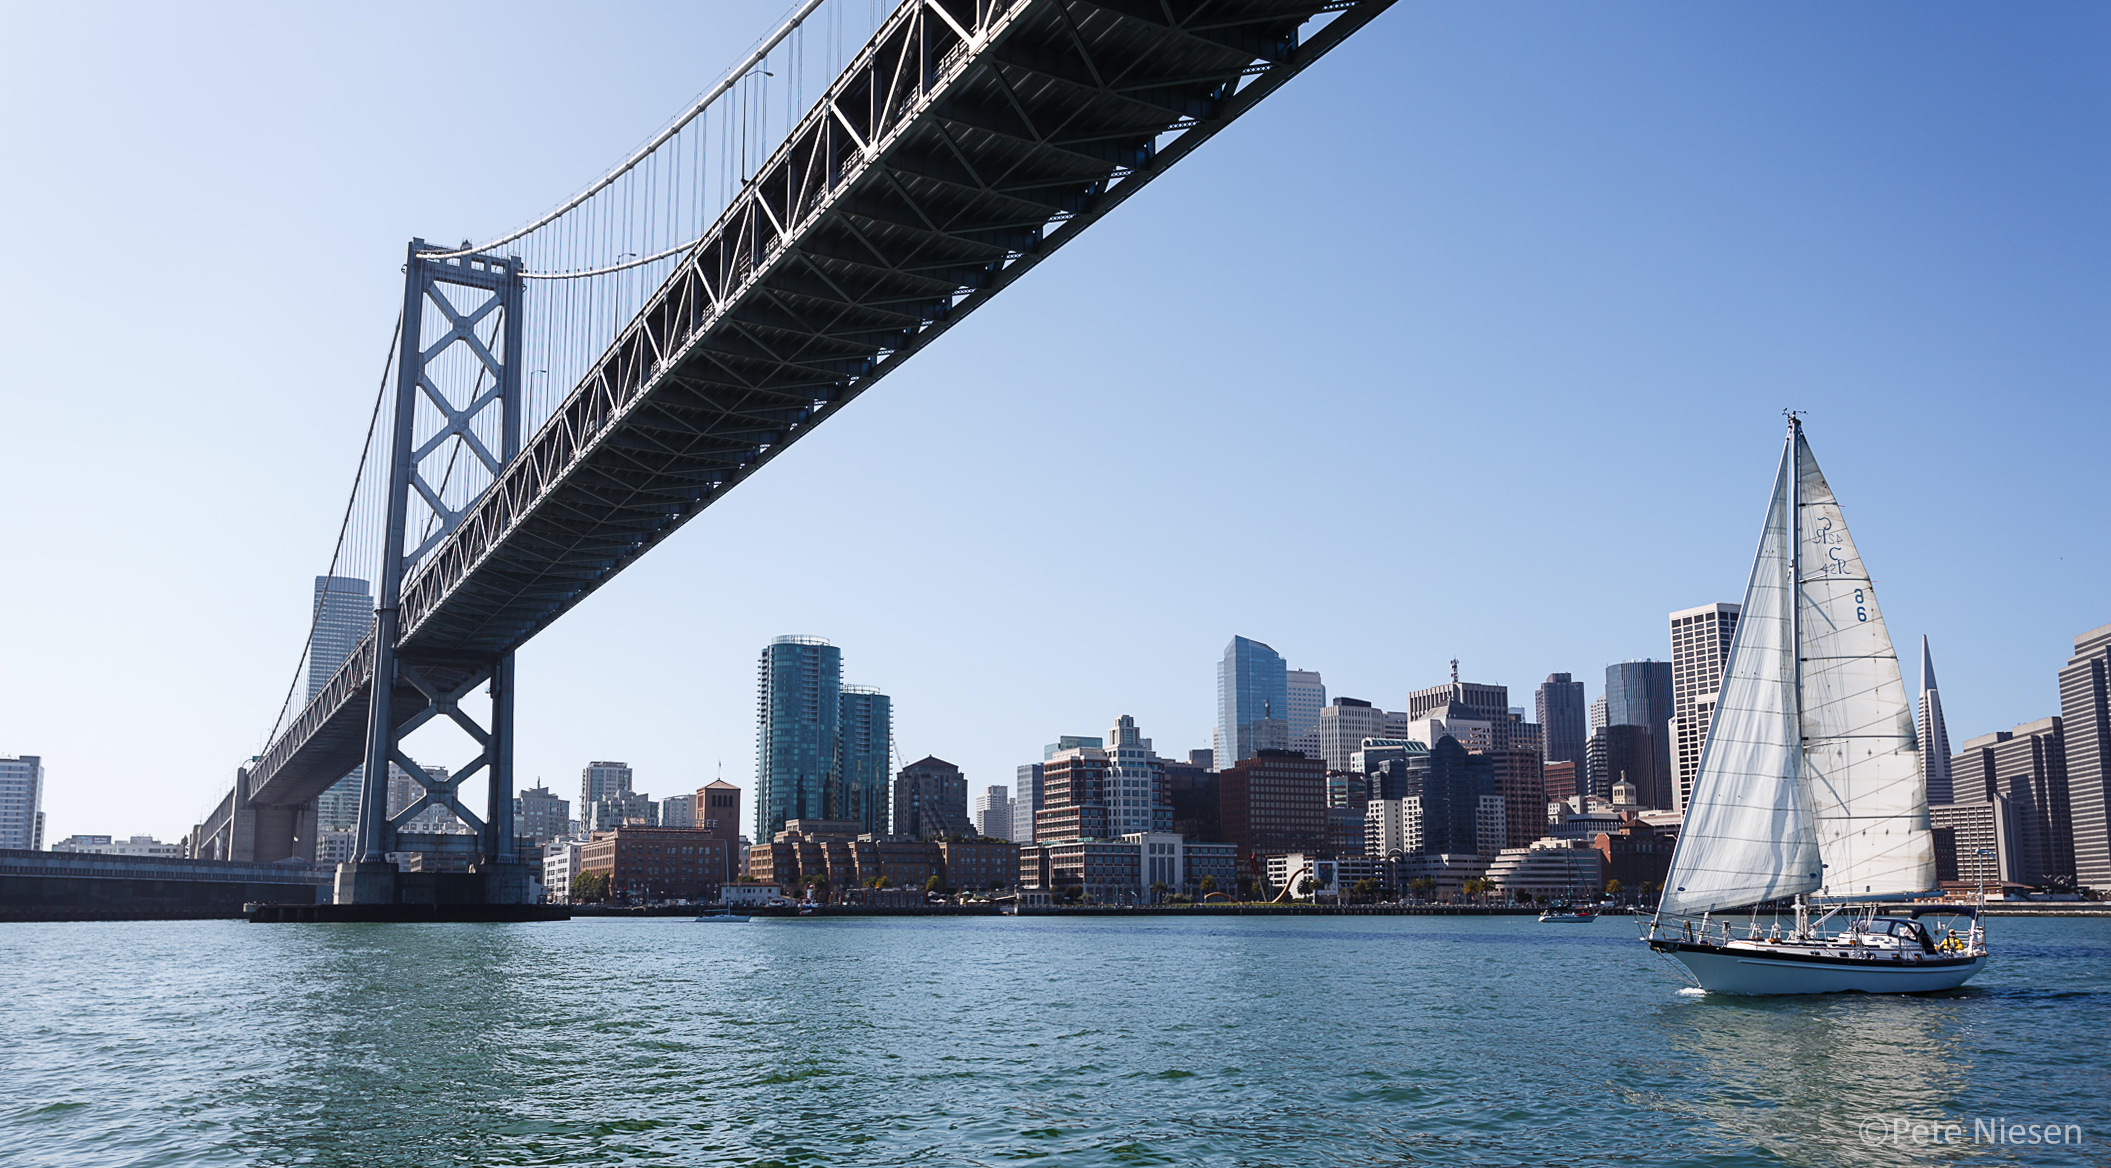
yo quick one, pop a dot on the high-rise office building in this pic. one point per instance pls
(798, 710)
(1025, 802)
(1558, 704)
(343, 611)
(1305, 697)
(599, 781)
(1639, 693)
(866, 727)
(1934, 734)
(1455, 796)
(1460, 699)
(2085, 714)
(1253, 702)
(993, 812)
(1137, 799)
(1700, 647)
(1342, 728)
(1626, 753)
(22, 803)
(2024, 772)
(931, 800)
(1274, 804)
(1073, 795)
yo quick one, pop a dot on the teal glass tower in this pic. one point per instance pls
(798, 714)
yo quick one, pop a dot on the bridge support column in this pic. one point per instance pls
(490, 347)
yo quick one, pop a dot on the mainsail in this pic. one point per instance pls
(1810, 780)
(1861, 757)
(1748, 835)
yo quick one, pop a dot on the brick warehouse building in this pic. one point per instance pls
(657, 863)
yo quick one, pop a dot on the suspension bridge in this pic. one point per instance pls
(560, 399)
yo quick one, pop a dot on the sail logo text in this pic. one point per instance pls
(1901, 1132)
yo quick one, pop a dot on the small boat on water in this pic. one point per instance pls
(721, 914)
(1810, 782)
(1568, 914)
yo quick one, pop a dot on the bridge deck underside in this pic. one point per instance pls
(938, 169)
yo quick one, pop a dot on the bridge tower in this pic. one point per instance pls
(466, 369)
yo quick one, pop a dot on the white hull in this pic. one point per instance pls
(1731, 971)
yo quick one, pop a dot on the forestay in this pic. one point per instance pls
(1748, 834)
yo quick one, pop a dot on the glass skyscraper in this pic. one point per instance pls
(343, 611)
(1638, 693)
(1559, 705)
(1253, 701)
(798, 717)
(865, 728)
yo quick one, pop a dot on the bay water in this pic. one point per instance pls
(1266, 1040)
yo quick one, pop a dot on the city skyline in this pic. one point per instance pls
(1909, 288)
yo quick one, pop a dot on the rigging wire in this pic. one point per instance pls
(366, 449)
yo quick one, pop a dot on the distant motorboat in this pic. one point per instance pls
(1568, 914)
(723, 914)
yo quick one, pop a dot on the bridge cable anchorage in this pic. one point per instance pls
(738, 74)
(365, 450)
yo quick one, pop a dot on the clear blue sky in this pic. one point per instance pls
(1471, 342)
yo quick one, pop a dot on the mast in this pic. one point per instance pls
(1795, 619)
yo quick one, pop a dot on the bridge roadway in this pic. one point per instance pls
(969, 141)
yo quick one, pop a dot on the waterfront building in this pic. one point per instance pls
(678, 811)
(1253, 702)
(718, 815)
(1295, 869)
(343, 611)
(103, 845)
(1208, 866)
(1700, 644)
(1560, 709)
(2024, 770)
(1934, 734)
(1448, 872)
(993, 812)
(1305, 695)
(931, 800)
(1626, 753)
(1274, 803)
(656, 863)
(866, 727)
(1639, 693)
(976, 865)
(1344, 725)
(560, 862)
(1026, 802)
(1636, 854)
(1109, 871)
(1970, 843)
(1158, 863)
(2085, 714)
(798, 712)
(539, 815)
(1555, 868)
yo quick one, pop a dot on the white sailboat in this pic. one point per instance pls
(1810, 785)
